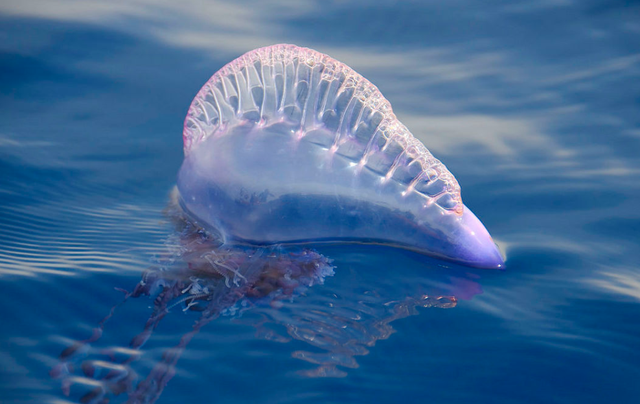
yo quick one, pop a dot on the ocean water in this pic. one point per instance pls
(534, 106)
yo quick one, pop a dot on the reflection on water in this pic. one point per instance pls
(532, 105)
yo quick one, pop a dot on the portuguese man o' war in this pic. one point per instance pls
(286, 145)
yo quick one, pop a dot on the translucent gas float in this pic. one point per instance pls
(286, 145)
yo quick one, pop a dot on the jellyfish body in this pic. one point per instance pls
(287, 145)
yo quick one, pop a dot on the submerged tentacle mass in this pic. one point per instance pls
(287, 294)
(287, 145)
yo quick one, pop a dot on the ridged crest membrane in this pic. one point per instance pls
(305, 87)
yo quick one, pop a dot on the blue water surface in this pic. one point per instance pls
(534, 106)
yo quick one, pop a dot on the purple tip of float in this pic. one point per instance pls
(476, 247)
